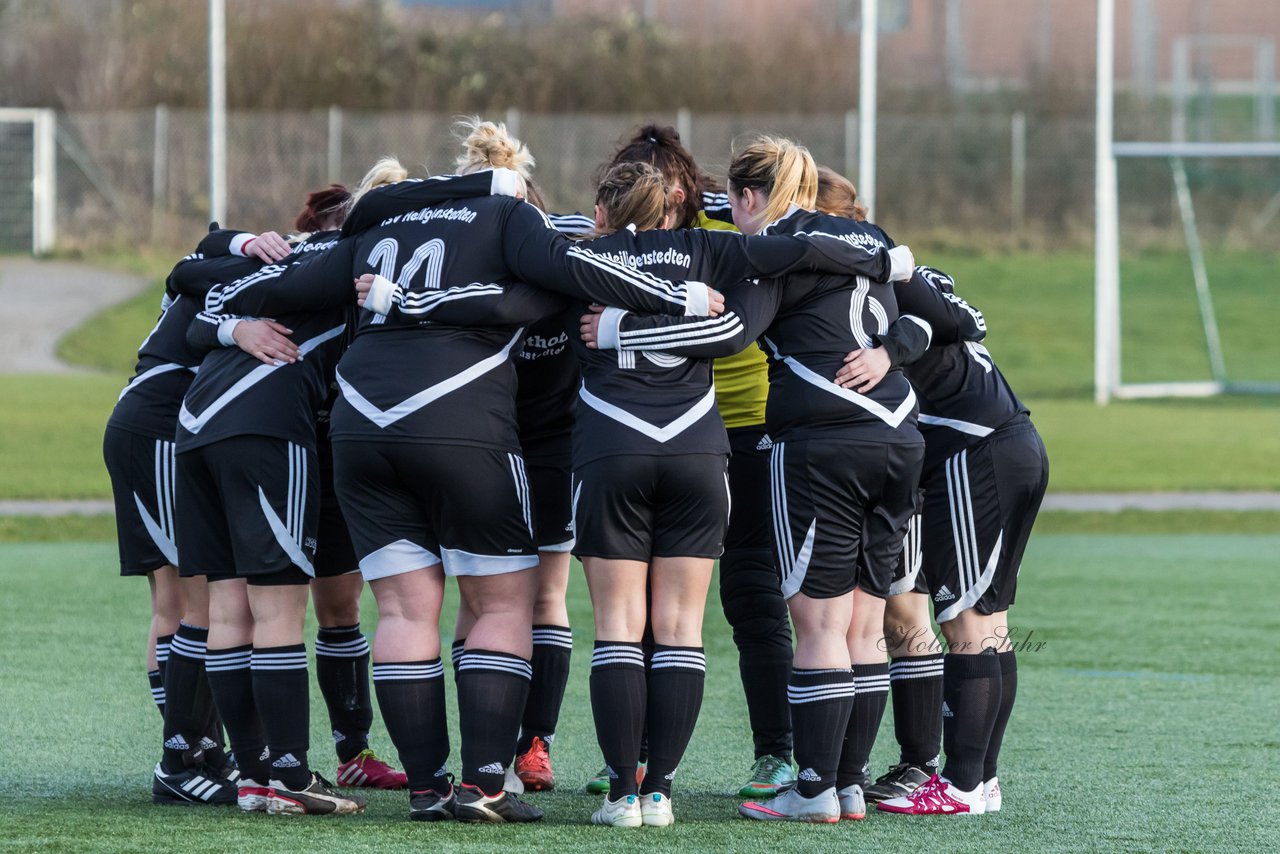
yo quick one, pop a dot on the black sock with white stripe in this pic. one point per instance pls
(411, 697)
(156, 681)
(188, 703)
(231, 682)
(492, 689)
(342, 670)
(619, 703)
(1008, 692)
(916, 683)
(870, 692)
(457, 650)
(156, 677)
(281, 691)
(552, 648)
(676, 678)
(821, 701)
(971, 701)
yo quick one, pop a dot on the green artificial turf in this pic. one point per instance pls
(1145, 721)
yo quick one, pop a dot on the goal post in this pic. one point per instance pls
(28, 174)
(1108, 377)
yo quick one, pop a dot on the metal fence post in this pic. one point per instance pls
(850, 142)
(684, 126)
(1018, 165)
(335, 145)
(159, 168)
(512, 122)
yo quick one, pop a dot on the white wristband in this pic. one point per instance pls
(697, 301)
(226, 331)
(239, 242)
(506, 182)
(607, 332)
(379, 299)
(901, 263)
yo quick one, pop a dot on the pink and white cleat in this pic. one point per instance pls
(366, 771)
(991, 794)
(937, 797)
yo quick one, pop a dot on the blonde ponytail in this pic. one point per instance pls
(386, 171)
(781, 169)
(488, 145)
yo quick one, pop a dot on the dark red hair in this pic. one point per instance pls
(327, 207)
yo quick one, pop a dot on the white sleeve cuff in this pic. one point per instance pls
(379, 299)
(697, 301)
(226, 331)
(607, 332)
(239, 242)
(901, 263)
(506, 182)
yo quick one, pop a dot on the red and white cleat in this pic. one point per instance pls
(533, 767)
(366, 771)
(937, 797)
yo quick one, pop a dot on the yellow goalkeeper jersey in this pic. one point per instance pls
(742, 380)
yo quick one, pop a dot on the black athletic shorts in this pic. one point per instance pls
(247, 508)
(637, 507)
(409, 506)
(979, 507)
(142, 481)
(908, 578)
(548, 464)
(335, 553)
(840, 511)
(750, 524)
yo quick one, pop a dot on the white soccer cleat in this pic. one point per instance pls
(655, 810)
(252, 796)
(790, 805)
(624, 812)
(991, 794)
(511, 781)
(937, 797)
(853, 806)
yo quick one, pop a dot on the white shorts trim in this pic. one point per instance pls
(396, 559)
(566, 546)
(457, 562)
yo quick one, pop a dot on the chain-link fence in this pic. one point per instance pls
(141, 176)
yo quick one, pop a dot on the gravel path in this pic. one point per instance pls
(40, 301)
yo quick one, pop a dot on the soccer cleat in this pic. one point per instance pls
(853, 806)
(534, 767)
(473, 805)
(937, 797)
(790, 805)
(768, 775)
(991, 795)
(624, 812)
(898, 782)
(655, 810)
(252, 796)
(430, 805)
(191, 786)
(318, 798)
(599, 784)
(366, 771)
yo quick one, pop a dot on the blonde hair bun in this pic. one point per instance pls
(488, 145)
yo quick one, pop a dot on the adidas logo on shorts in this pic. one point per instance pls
(176, 742)
(809, 775)
(765, 443)
(286, 761)
(492, 768)
(943, 595)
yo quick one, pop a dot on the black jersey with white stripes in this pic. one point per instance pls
(436, 365)
(806, 323)
(167, 364)
(547, 374)
(655, 403)
(963, 395)
(235, 394)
